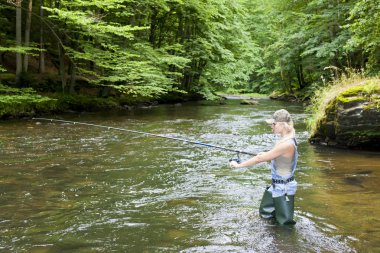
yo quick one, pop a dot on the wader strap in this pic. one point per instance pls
(279, 181)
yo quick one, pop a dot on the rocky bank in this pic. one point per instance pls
(351, 119)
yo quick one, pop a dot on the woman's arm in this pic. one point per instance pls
(278, 150)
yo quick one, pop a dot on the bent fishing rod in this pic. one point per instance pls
(149, 134)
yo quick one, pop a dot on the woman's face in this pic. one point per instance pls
(277, 128)
(274, 126)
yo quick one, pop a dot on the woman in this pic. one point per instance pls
(278, 199)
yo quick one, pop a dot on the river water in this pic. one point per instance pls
(75, 188)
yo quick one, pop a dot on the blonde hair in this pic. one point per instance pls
(290, 132)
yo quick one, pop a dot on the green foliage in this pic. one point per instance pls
(234, 55)
(21, 50)
(145, 72)
(25, 101)
(365, 27)
(149, 48)
(6, 90)
(89, 22)
(86, 103)
(135, 67)
(26, 104)
(299, 39)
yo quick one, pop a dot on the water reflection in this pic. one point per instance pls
(80, 189)
(345, 194)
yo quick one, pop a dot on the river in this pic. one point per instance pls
(75, 188)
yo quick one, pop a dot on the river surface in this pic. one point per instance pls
(75, 188)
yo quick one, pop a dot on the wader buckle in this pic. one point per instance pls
(280, 181)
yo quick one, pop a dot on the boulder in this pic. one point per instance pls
(351, 120)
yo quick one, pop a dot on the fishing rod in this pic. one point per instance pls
(150, 134)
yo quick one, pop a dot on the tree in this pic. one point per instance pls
(234, 55)
(18, 39)
(42, 53)
(152, 47)
(107, 43)
(18, 47)
(304, 37)
(365, 27)
(27, 33)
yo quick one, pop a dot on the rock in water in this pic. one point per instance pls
(352, 120)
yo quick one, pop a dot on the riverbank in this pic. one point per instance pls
(242, 96)
(347, 114)
(27, 102)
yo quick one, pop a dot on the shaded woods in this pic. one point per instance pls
(143, 50)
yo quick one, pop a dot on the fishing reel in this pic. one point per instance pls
(237, 159)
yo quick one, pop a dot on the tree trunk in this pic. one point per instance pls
(300, 76)
(18, 40)
(200, 68)
(162, 28)
(72, 72)
(42, 54)
(179, 37)
(153, 26)
(62, 70)
(28, 24)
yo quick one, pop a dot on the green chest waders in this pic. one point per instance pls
(267, 205)
(278, 200)
(284, 206)
(281, 208)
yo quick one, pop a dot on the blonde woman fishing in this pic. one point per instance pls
(278, 199)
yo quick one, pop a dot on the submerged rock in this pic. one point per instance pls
(352, 120)
(249, 102)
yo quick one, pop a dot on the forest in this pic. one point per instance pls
(138, 50)
(86, 86)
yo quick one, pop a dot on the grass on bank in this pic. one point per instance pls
(348, 84)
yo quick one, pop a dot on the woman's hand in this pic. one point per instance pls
(234, 164)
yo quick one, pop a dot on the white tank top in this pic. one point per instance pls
(284, 165)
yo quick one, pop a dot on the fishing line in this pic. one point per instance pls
(238, 152)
